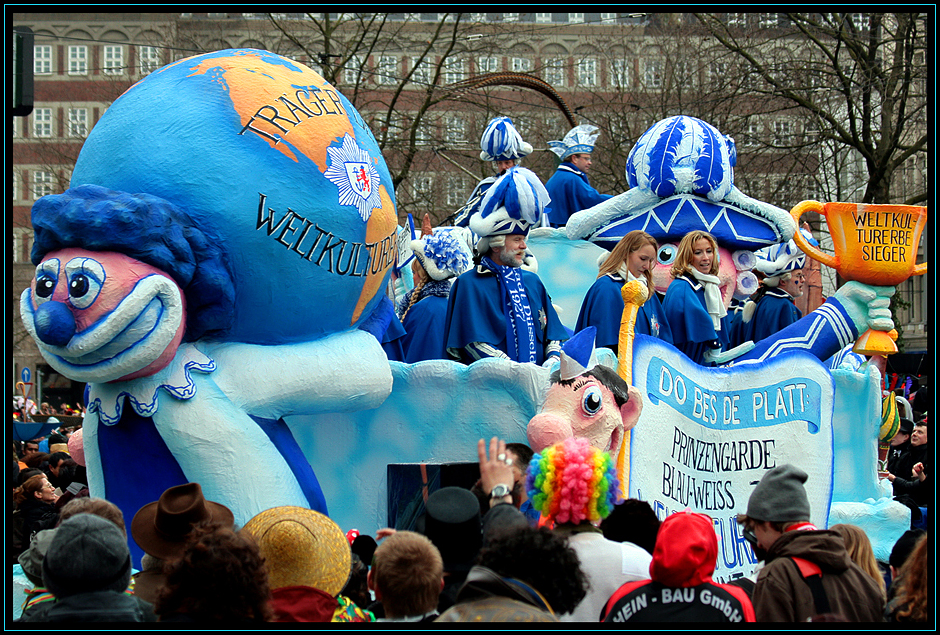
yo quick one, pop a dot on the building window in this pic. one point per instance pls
(22, 244)
(653, 74)
(42, 60)
(608, 18)
(353, 69)
(487, 64)
(521, 65)
(42, 184)
(42, 122)
(78, 122)
(553, 71)
(423, 133)
(422, 188)
(456, 191)
(718, 72)
(422, 74)
(510, 17)
(455, 130)
(783, 132)
(587, 72)
(736, 19)
(15, 186)
(685, 73)
(753, 134)
(149, 59)
(575, 18)
(454, 71)
(386, 70)
(768, 20)
(620, 73)
(543, 17)
(113, 60)
(860, 21)
(78, 60)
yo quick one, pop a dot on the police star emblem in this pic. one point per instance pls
(352, 171)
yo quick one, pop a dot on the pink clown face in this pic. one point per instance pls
(727, 272)
(585, 408)
(103, 316)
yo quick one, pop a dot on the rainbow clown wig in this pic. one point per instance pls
(573, 482)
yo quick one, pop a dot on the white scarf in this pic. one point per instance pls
(626, 274)
(713, 302)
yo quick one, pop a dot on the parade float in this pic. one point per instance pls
(217, 274)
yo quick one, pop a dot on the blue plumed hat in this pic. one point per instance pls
(502, 142)
(681, 177)
(578, 354)
(514, 203)
(442, 255)
(776, 260)
(579, 140)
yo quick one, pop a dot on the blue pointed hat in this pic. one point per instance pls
(578, 354)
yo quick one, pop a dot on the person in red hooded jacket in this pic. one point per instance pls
(681, 588)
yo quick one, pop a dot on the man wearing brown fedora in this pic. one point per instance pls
(160, 528)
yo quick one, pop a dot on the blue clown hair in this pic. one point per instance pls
(146, 228)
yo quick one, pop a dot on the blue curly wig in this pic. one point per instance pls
(146, 228)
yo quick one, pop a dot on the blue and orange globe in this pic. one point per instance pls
(276, 165)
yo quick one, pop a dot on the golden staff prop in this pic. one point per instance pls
(634, 294)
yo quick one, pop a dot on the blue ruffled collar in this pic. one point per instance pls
(143, 393)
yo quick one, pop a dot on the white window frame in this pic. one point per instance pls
(768, 21)
(620, 73)
(718, 72)
(607, 18)
(520, 65)
(510, 17)
(455, 70)
(423, 73)
(386, 70)
(78, 123)
(42, 184)
(455, 130)
(736, 19)
(686, 72)
(424, 133)
(754, 132)
(586, 72)
(487, 64)
(43, 127)
(42, 59)
(112, 59)
(543, 18)
(653, 74)
(22, 244)
(554, 71)
(148, 59)
(784, 132)
(860, 21)
(78, 59)
(575, 18)
(15, 186)
(422, 187)
(353, 70)
(456, 191)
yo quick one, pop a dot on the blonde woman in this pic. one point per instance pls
(693, 304)
(859, 547)
(633, 258)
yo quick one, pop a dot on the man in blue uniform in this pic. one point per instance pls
(498, 309)
(502, 144)
(569, 188)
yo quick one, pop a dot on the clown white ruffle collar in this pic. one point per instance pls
(143, 393)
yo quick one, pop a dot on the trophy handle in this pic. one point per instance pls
(920, 269)
(809, 250)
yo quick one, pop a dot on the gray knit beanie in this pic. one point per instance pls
(780, 496)
(88, 553)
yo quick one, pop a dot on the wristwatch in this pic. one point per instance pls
(499, 491)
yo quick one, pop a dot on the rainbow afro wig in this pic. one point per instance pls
(573, 482)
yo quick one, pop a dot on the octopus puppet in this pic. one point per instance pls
(218, 263)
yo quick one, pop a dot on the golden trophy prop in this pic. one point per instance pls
(873, 244)
(634, 294)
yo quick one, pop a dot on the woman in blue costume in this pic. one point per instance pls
(771, 308)
(693, 304)
(631, 259)
(422, 311)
